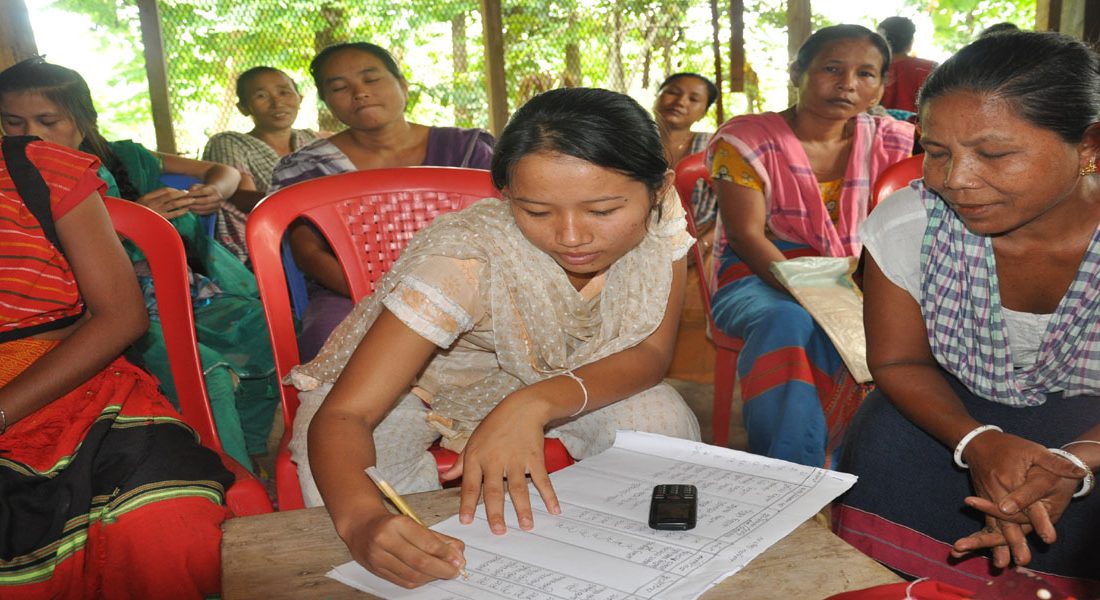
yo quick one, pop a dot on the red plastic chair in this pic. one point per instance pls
(897, 176)
(367, 217)
(163, 248)
(688, 171)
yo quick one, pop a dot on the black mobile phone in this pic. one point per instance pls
(672, 507)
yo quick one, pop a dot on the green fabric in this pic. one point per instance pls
(233, 342)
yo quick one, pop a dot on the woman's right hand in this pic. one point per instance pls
(167, 202)
(401, 551)
(1021, 486)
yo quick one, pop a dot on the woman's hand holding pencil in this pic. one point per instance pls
(403, 550)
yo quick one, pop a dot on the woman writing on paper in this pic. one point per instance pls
(553, 312)
(798, 183)
(983, 328)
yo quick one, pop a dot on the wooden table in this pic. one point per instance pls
(286, 555)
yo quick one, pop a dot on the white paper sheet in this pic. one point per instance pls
(601, 548)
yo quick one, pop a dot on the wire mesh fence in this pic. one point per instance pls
(628, 46)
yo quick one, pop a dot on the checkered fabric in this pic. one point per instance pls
(962, 310)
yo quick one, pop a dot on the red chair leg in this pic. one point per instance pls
(287, 489)
(725, 376)
(247, 496)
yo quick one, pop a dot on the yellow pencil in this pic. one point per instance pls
(398, 501)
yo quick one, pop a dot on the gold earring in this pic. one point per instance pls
(1088, 169)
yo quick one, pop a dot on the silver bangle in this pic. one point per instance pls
(570, 374)
(966, 439)
(1089, 481)
(1080, 442)
(3, 421)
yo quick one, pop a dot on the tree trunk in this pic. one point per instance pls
(334, 31)
(16, 38)
(615, 79)
(461, 63)
(798, 29)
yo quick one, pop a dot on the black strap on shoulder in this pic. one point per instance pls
(36, 195)
(29, 183)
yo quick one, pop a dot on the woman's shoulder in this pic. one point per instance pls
(316, 147)
(459, 147)
(130, 147)
(902, 209)
(888, 126)
(315, 159)
(45, 155)
(754, 131)
(756, 122)
(227, 137)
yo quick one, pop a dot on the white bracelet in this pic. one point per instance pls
(1089, 481)
(967, 439)
(570, 374)
(1080, 442)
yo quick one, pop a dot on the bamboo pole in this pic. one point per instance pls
(16, 37)
(157, 71)
(492, 25)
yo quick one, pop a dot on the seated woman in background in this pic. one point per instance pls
(104, 492)
(364, 88)
(552, 312)
(271, 98)
(798, 183)
(54, 103)
(983, 328)
(682, 100)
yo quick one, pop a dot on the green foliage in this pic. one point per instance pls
(958, 22)
(630, 45)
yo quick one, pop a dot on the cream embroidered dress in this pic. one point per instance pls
(504, 316)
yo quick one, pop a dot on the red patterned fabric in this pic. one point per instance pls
(36, 283)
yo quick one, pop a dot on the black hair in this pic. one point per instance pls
(899, 33)
(245, 78)
(318, 62)
(68, 90)
(827, 35)
(605, 128)
(1051, 80)
(1002, 27)
(712, 90)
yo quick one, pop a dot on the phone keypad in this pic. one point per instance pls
(674, 492)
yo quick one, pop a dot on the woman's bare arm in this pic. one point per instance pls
(315, 260)
(744, 218)
(341, 446)
(219, 181)
(116, 313)
(509, 442)
(904, 368)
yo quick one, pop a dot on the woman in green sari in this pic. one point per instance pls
(54, 103)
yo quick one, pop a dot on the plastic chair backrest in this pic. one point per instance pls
(367, 217)
(688, 171)
(896, 176)
(163, 248)
(179, 181)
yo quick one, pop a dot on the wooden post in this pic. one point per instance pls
(720, 112)
(798, 29)
(492, 26)
(16, 36)
(1048, 15)
(737, 45)
(157, 71)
